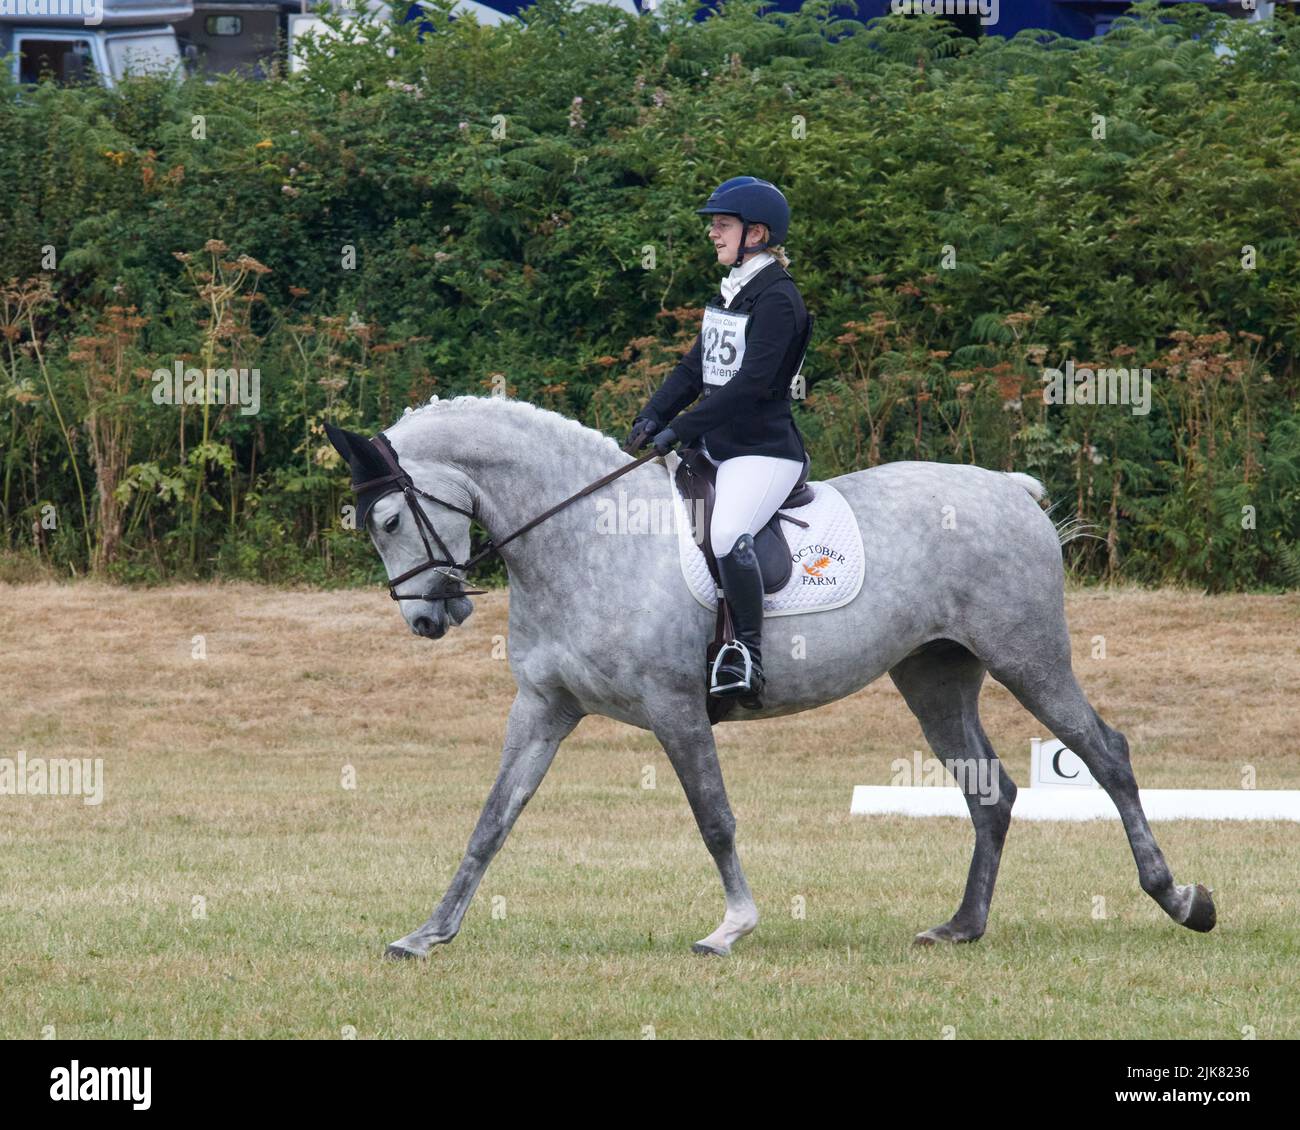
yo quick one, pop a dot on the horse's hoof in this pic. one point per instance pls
(1201, 917)
(944, 933)
(708, 950)
(399, 953)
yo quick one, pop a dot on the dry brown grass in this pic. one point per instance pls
(223, 782)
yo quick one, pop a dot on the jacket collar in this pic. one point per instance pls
(739, 276)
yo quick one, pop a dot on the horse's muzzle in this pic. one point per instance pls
(441, 615)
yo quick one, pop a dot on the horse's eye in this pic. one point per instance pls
(391, 524)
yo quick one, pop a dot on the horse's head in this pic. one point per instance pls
(419, 531)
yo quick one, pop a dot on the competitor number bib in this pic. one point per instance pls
(722, 344)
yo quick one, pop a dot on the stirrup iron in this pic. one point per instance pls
(720, 658)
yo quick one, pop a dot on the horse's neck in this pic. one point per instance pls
(516, 472)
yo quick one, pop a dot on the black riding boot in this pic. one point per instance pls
(742, 582)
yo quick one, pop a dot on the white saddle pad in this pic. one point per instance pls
(828, 559)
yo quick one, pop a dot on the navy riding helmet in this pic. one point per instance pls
(752, 201)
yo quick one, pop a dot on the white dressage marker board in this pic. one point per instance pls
(1089, 804)
(1063, 789)
(1052, 766)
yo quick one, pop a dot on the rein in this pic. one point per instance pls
(399, 479)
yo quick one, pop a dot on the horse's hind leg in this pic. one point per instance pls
(1041, 677)
(941, 684)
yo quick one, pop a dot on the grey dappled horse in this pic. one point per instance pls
(963, 577)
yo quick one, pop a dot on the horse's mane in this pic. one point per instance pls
(521, 411)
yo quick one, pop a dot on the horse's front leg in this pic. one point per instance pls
(688, 741)
(538, 723)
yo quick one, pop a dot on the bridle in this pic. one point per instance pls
(398, 480)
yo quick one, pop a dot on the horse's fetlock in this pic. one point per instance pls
(1157, 885)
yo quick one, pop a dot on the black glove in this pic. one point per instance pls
(643, 427)
(665, 441)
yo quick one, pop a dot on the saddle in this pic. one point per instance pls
(697, 480)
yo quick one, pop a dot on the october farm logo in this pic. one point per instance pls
(814, 561)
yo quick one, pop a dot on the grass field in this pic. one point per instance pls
(230, 886)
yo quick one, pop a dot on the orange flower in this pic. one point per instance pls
(1009, 386)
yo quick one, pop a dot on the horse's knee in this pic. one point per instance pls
(1006, 799)
(1119, 744)
(994, 815)
(719, 834)
(1116, 743)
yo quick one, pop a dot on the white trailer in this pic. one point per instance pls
(72, 41)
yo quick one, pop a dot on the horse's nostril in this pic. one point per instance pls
(423, 625)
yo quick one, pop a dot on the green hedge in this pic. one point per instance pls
(959, 225)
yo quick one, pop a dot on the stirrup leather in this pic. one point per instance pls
(720, 658)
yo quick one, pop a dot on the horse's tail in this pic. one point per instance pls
(1068, 528)
(1031, 484)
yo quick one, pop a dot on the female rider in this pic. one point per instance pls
(744, 361)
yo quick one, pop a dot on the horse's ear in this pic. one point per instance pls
(364, 461)
(366, 465)
(342, 439)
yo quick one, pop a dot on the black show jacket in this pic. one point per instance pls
(750, 414)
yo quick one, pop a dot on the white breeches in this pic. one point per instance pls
(750, 488)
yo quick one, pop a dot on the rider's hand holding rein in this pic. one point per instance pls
(665, 441)
(643, 427)
(646, 428)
